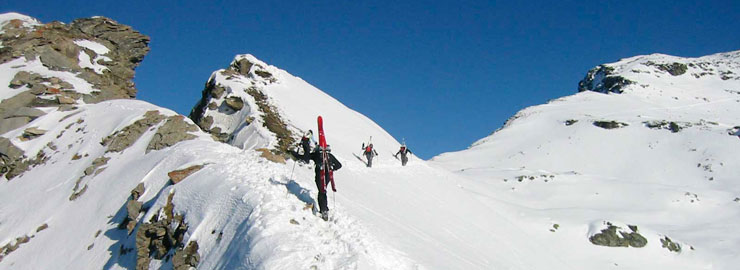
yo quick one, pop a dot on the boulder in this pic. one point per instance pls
(178, 175)
(32, 133)
(62, 99)
(234, 103)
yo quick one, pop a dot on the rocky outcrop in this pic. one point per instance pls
(126, 137)
(60, 47)
(13, 161)
(668, 244)
(603, 80)
(163, 234)
(674, 127)
(174, 130)
(133, 208)
(610, 124)
(609, 237)
(178, 175)
(674, 68)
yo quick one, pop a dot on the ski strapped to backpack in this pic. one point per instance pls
(326, 172)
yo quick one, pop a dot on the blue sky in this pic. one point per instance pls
(441, 74)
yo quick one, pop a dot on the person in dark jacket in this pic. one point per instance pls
(403, 151)
(369, 153)
(334, 165)
(306, 141)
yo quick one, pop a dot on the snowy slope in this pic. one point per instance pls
(671, 170)
(527, 197)
(242, 210)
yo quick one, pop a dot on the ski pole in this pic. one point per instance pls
(291, 172)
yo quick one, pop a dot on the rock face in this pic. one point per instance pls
(115, 47)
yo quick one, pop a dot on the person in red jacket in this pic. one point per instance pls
(369, 153)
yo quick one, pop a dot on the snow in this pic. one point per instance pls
(98, 48)
(8, 71)
(518, 199)
(84, 58)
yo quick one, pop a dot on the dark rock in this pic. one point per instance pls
(601, 79)
(178, 175)
(670, 245)
(242, 66)
(570, 122)
(674, 127)
(609, 124)
(173, 131)
(674, 69)
(42, 227)
(263, 74)
(608, 237)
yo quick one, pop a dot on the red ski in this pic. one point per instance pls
(328, 172)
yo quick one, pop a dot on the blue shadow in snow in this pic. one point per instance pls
(300, 192)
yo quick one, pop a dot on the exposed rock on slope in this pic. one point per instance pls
(234, 105)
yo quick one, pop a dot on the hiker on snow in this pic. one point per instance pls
(306, 141)
(403, 151)
(334, 165)
(369, 153)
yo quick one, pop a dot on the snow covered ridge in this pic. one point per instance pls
(658, 69)
(254, 105)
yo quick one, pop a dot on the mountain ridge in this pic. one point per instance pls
(592, 180)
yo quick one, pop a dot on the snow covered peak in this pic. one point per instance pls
(644, 74)
(252, 104)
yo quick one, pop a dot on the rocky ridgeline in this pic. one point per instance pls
(58, 47)
(46, 63)
(235, 92)
(62, 47)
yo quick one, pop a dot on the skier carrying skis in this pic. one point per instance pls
(403, 151)
(333, 165)
(369, 153)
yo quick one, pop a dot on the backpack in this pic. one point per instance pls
(368, 149)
